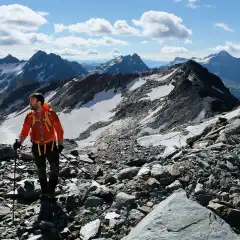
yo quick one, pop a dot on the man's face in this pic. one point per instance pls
(34, 103)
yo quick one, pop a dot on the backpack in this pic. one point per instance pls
(46, 120)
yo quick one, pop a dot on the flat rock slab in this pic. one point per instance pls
(179, 218)
(4, 211)
(90, 230)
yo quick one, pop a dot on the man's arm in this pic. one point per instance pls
(25, 129)
(58, 127)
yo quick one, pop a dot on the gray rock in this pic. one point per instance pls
(199, 188)
(125, 200)
(144, 171)
(101, 191)
(174, 186)
(76, 194)
(236, 201)
(36, 237)
(68, 172)
(153, 182)
(11, 176)
(4, 211)
(90, 230)
(135, 215)
(112, 215)
(177, 218)
(93, 201)
(128, 173)
(158, 171)
(27, 156)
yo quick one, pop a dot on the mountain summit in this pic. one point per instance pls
(123, 64)
(9, 59)
(43, 67)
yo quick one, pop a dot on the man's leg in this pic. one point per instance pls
(40, 162)
(53, 159)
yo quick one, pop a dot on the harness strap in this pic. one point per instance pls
(45, 148)
(39, 150)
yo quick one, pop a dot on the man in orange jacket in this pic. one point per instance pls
(45, 129)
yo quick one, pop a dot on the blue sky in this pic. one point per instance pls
(155, 29)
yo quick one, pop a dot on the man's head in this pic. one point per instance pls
(36, 101)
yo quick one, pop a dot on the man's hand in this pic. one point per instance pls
(60, 148)
(17, 145)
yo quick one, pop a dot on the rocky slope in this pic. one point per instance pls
(123, 64)
(126, 156)
(223, 65)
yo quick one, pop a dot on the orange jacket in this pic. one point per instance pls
(42, 129)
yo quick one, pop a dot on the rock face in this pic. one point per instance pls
(43, 67)
(197, 94)
(223, 65)
(176, 218)
(123, 64)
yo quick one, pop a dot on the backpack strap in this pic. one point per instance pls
(47, 113)
(33, 118)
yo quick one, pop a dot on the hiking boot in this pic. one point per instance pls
(43, 196)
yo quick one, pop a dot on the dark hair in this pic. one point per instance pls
(38, 96)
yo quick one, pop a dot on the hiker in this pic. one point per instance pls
(45, 130)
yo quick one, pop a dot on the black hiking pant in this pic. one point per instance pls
(47, 187)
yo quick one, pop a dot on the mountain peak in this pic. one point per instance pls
(9, 59)
(123, 64)
(224, 53)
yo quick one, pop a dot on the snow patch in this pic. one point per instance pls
(137, 83)
(159, 92)
(49, 96)
(98, 109)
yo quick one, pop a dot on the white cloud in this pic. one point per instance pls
(59, 28)
(229, 46)
(92, 52)
(99, 27)
(153, 24)
(162, 25)
(122, 28)
(82, 42)
(115, 52)
(192, 4)
(209, 6)
(188, 41)
(72, 53)
(43, 14)
(224, 26)
(173, 49)
(93, 27)
(20, 17)
(144, 42)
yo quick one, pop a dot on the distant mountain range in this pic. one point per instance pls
(123, 64)
(42, 67)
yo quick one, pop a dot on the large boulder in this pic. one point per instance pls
(177, 218)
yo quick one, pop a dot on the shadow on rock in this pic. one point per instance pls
(51, 220)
